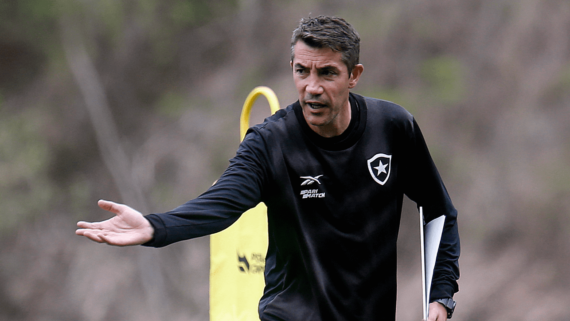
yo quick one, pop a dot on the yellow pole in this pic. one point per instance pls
(246, 111)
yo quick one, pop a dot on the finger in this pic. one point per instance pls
(93, 236)
(89, 225)
(82, 232)
(436, 316)
(115, 240)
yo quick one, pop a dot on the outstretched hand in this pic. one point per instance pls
(127, 227)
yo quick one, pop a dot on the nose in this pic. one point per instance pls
(314, 85)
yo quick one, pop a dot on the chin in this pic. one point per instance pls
(318, 122)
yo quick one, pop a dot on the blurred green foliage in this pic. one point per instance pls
(489, 83)
(445, 78)
(172, 104)
(25, 188)
(33, 165)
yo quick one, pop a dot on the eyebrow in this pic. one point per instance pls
(298, 65)
(325, 68)
(328, 68)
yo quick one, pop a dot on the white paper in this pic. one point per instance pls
(423, 264)
(430, 236)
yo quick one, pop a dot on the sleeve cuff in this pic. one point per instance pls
(443, 290)
(159, 236)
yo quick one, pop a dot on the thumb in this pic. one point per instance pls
(110, 206)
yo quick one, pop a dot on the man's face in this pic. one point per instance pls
(323, 84)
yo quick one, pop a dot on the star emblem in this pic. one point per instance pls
(381, 173)
(381, 168)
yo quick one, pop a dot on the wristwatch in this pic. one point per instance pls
(449, 305)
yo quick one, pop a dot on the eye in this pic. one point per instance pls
(328, 72)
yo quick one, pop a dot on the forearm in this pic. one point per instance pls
(238, 190)
(191, 220)
(424, 185)
(446, 270)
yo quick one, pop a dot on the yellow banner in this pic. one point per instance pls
(237, 254)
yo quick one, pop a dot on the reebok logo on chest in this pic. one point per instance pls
(313, 192)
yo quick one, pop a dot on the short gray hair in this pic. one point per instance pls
(329, 32)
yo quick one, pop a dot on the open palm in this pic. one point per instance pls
(127, 227)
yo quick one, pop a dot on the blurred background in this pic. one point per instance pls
(138, 102)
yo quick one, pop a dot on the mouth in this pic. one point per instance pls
(315, 105)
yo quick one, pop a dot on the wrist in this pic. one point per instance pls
(148, 232)
(449, 305)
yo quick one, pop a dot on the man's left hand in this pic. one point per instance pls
(437, 312)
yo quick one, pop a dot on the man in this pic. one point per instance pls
(332, 169)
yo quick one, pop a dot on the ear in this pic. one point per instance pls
(291, 64)
(355, 75)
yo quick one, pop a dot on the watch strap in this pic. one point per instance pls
(449, 305)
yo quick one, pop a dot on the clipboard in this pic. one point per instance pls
(430, 238)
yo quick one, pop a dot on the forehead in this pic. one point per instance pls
(308, 56)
